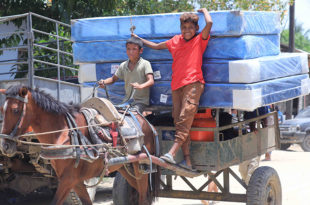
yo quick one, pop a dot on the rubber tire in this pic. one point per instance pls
(73, 198)
(305, 145)
(123, 193)
(284, 146)
(264, 187)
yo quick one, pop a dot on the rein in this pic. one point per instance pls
(22, 115)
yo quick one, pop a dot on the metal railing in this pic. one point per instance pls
(31, 35)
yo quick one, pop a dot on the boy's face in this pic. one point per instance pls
(133, 51)
(188, 30)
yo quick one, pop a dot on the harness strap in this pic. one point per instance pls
(84, 141)
(157, 147)
(151, 167)
(17, 97)
(74, 141)
(88, 116)
(21, 117)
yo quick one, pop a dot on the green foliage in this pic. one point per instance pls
(301, 40)
(257, 5)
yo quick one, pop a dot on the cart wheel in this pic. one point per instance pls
(123, 193)
(264, 187)
(284, 146)
(305, 145)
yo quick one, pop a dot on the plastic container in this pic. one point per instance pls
(203, 119)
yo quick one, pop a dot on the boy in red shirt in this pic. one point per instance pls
(187, 79)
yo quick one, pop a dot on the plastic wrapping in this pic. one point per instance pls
(235, 96)
(227, 23)
(244, 47)
(217, 71)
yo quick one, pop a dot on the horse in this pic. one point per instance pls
(25, 107)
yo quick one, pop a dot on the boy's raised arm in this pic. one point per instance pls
(206, 30)
(150, 44)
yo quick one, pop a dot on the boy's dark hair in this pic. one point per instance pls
(135, 40)
(189, 17)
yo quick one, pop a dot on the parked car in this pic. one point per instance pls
(296, 131)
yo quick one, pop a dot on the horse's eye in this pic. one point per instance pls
(15, 111)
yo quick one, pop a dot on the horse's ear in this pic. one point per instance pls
(2, 91)
(23, 92)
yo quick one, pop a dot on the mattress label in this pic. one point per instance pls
(157, 75)
(114, 68)
(163, 98)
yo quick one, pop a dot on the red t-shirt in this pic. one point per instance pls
(187, 60)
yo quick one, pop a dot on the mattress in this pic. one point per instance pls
(227, 23)
(243, 47)
(216, 70)
(235, 96)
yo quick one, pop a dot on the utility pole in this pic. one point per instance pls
(289, 104)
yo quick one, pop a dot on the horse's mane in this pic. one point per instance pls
(44, 100)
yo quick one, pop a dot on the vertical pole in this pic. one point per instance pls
(58, 63)
(292, 28)
(289, 104)
(30, 52)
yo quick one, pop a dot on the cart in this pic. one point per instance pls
(214, 159)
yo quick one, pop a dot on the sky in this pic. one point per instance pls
(302, 13)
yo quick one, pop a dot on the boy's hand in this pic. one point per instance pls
(134, 35)
(203, 10)
(101, 83)
(136, 85)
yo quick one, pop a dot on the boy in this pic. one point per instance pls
(187, 80)
(137, 74)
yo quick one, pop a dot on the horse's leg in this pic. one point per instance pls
(142, 184)
(131, 181)
(81, 191)
(63, 189)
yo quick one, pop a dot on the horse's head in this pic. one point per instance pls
(14, 117)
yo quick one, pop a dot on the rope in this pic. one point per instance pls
(56, 131)
(102, 173)
(132, 175)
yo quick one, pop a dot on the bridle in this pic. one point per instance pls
(22, 115)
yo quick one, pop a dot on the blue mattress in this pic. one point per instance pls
(227, 23)
(235, 96)
(244, 47)
(229, 71)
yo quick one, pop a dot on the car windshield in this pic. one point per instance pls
(304, 113)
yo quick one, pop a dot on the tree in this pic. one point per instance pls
(301, 40)
(257, 5)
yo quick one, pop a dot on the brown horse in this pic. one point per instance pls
(25, 107)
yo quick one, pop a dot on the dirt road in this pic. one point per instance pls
(293, 167)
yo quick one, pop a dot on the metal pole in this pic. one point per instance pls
(30, 51)
(58, 67)
(289, 104)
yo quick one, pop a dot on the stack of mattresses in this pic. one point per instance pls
(242, 65)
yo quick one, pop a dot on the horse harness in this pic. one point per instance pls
(22, 115)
